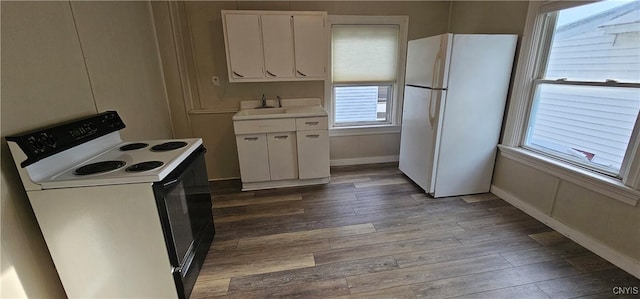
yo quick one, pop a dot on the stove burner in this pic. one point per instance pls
(167, 146)
(133, 146)
(99, 167)
(144, 166)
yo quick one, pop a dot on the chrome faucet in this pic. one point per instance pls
(264, 103)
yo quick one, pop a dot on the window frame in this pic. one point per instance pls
(395, 115)
(534, 50)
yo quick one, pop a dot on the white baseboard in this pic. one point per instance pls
(283, 184)
(365, 160)
(624, 262)
(224, 179)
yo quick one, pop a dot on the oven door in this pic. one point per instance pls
(184, 205)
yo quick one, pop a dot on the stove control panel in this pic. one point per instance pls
(45, 142)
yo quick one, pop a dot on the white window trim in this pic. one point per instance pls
(398, 89)
(625, 190)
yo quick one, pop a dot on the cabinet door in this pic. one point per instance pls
(253, 157)
(311, 50)
(283, 161)
(244, 52)
(277, 39)
(313, 154)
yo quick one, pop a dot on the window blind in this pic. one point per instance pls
(364, 53)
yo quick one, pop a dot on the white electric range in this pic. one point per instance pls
(120, 219)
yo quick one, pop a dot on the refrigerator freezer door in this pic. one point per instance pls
(428, 61)
(420, 126)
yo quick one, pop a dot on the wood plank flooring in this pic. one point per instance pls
(371, 233)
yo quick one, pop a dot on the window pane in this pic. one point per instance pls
(596, 42)
(586, 124)
(356, 104)
(364, 53)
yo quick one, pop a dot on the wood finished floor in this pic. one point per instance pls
(371, 233)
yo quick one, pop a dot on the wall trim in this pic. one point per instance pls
(224, 179)
(284, 184)
(624, 262)
(214, 111)
(360, 131)
(599, 183)
(365, 160)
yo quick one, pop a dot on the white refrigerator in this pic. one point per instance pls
(454, 99)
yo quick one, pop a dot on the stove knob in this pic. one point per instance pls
(49, 139)
(38, 145)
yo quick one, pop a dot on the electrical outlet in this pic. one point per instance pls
(215, 80)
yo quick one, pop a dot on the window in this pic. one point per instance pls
(367, 68)
(577, 93)
(586, 97)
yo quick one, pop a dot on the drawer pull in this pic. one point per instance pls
(281, 137)
(313, 136)
(271, 74)
(311, 123)
(251, 138)
(238, 75)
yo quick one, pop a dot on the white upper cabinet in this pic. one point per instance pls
(277, 36)
(311, 50)
(244, 46)
(267, 46)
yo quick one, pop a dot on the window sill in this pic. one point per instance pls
(600, 183)
(364, 130)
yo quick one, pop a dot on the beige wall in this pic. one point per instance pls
(601, 218)
(488, 17)
(204, 41)
(45, 80)
(121, 54)
(206, 37)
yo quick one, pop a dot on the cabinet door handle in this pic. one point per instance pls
(251, 138)
(302, 74)
(311, 123)
(271, 74)
(281, 137)
(241, 76)
(313, 136)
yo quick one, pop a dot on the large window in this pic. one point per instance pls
(367, 67)
(577, 94)
(586, 97)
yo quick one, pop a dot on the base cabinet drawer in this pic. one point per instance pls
(253, 157)
(264, 126)
(311, 123)
(313, 154)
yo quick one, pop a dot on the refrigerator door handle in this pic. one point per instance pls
(432, 112)
(435, 79)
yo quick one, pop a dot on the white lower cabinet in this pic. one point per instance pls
(254, 157)
(283, 162)
(313, 154)
(267, 157)
(282, 152)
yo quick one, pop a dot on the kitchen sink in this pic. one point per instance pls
(291, 108)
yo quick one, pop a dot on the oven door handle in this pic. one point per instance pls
(176, 178)
(171, 182)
